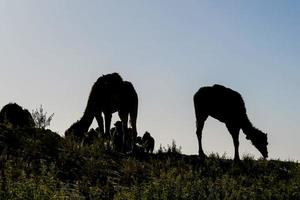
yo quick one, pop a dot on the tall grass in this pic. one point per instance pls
(38, 164)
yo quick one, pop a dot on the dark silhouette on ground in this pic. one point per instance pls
(139, 148)
(32, 143)
(117, 136)
(91, 136)
(109, 94)
(148, 142)
(122, 141)
(228, 107)
(14, 115)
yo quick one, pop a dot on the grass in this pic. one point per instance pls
(39, 164)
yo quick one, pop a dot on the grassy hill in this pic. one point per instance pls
(39, 164)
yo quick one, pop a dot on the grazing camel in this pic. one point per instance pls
(109, 94)
(228, 107)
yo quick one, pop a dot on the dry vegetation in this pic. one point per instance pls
(39, 164)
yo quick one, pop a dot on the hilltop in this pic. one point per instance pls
(39, 164)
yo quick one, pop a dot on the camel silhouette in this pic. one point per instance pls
(228, 107)
(109, 94)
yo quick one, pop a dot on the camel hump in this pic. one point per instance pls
(217, 89)
(110, 78)
(108, 82)
(217, 86)
(228, 91)
(127, 86)
(129, 91)
(210, 92)
(220, 88)
(107, 85)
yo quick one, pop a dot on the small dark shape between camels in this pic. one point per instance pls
(91, 136)
(148, 142)
(122, 141)
(109, 94)
(228, 107)
(144, 144)
(15, 116)
(117, 136)
(138, 147)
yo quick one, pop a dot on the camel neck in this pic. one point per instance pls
(247, 126)
(87, 119)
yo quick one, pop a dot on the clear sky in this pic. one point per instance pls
(52, 52)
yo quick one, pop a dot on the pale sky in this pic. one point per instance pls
(52, 52)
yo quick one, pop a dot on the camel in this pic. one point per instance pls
(227, 106)
(109, 94)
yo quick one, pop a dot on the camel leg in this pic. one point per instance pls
(107, 118)
(124, 119)
(99, 119)
(133, 117)
(200, 124)
(234, 131)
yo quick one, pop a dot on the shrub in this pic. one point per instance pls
(40, 118)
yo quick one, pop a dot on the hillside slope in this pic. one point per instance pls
(39, 164)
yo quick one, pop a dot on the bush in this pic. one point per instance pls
(40, 118)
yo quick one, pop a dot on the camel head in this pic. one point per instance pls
(260, 140)
(76, 131)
